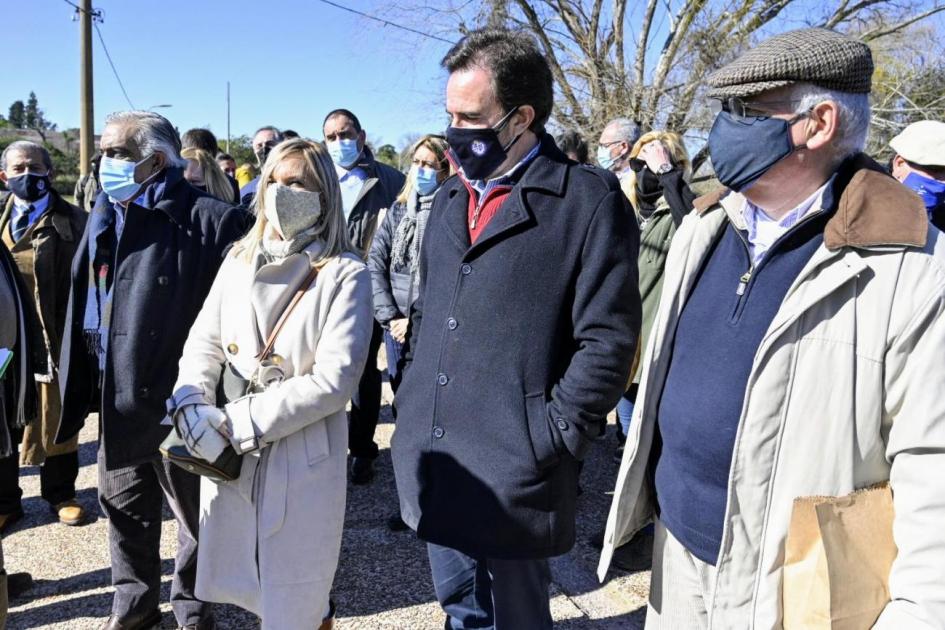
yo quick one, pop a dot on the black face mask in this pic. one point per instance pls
(648, 184)
(479, 151)
(30, 186)
(262, 154)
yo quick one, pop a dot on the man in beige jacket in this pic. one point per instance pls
(797, 351)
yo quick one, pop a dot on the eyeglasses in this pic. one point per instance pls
(741, 108)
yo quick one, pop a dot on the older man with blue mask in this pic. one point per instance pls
(143, 268)
(919, 163)
(367, 186)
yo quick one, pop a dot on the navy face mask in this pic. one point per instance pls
(29, 186)
(479, 150)
(745, 148)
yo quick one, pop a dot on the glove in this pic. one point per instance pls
(200, 428)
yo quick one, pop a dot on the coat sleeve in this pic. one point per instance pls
(915, 381)
(605, 320)
(416, 308)
(385, 307)
(340, 357)
(202, 360)
(234, 224)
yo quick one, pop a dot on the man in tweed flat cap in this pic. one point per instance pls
(797, 352)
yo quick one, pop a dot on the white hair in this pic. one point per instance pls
(25, 146)
(854, 123)
(625, 130)
(153, 133)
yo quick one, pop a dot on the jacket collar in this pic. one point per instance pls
(367, 162)
(56, 214)
(870, 208)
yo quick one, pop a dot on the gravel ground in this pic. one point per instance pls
(383, 579)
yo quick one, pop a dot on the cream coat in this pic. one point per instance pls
(269, 541)
(847, 389)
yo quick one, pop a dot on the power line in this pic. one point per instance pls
(381, 20)
(109, 57)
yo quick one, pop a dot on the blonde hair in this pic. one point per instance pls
(331, 228)
(677, 154)
(216, 181)
(438, 146)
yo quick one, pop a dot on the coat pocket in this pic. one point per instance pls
(539, 431)
(316, 441)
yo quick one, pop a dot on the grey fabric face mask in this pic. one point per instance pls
(290, 210)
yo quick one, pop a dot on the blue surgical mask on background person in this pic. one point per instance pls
(931, 190)
(29, 187)
(344, 152)
(426, 179)
(117, 178)
(604, 159)
(743, 148)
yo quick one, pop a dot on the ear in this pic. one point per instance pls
(525, 116)
(822, 125)
(3, 177)
(362, 139)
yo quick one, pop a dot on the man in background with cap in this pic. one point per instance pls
(919, 163)
(797, 351)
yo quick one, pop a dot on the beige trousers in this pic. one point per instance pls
(680, 586)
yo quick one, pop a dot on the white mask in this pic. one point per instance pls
(291, 210)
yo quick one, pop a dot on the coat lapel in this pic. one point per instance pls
(511, 215)
(455, 215)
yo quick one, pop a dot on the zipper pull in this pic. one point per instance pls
(743, 283)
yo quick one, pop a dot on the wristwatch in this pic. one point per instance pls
(662, 169)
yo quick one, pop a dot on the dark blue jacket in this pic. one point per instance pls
(166, 261)
(519, 344)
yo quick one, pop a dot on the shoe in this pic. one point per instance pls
(206, 624)
(362, 470)
(636, 555)
(396, 524)
(70, 512)
(18, 584)
(149, 621)
(8, 520)
(618, 455)
(329, 622)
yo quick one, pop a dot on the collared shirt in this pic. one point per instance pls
(763, 231)
(351, 183)
(20, 207)
(484, 187)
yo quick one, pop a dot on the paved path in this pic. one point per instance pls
(382, 582)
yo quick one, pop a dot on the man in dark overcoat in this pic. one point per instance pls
(143, 268)
(522, 339)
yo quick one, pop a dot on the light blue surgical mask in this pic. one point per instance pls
(344, 152)
(604, 159)
(117, 178)
(426, 180)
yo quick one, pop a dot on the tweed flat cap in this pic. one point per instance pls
(922, 143)
(811, 55)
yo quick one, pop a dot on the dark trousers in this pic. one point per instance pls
(57, 478)
(131, 498)
(489, 593)
(366, 404)
(394, 351)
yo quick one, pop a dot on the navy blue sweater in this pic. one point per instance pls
(719, 331)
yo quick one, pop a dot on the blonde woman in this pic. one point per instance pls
(205, 173)
(269, 541)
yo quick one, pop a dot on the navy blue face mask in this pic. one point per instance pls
(29, 186)
(479, 150)
(745, 148)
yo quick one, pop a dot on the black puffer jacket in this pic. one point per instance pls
(395, 288)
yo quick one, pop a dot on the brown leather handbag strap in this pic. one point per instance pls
(271, 341)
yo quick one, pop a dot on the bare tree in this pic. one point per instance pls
(648, 61)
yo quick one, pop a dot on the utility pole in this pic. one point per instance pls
(227, 116)
(87, 121)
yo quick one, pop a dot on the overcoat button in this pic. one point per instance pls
(438, 432)
(562, 424)
(152, 333)
(163, 281)
(143, 392)
(442, 379)
(232, 348)
(466, 269)
(277, 359)
(451, 323)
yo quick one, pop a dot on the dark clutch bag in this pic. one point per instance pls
(227, 466)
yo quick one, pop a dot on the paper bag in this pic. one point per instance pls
(838, 554)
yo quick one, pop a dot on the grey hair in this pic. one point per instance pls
(627, 130)
(854, 123)
(153, 133)
(274, 130)
(25, 146)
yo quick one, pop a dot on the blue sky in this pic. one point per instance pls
(289, 62)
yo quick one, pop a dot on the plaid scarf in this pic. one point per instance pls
(406, 245)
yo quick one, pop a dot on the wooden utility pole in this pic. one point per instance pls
(87, 121)
(227, 116)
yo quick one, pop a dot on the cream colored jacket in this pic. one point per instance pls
(269, 541)
(847, 389)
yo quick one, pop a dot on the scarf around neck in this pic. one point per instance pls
(405, 248)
